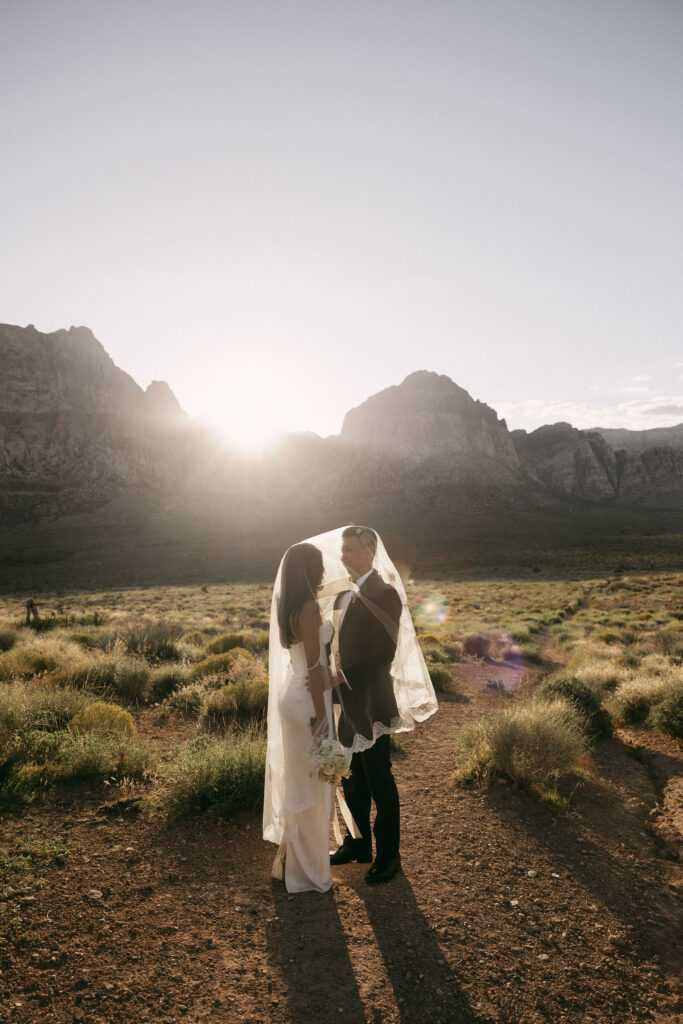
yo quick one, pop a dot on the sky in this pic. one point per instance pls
(283, 207)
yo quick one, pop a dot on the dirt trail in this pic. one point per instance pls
(506, 912)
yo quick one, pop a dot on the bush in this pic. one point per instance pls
(226, 642)
(188, 699)
(605, 636)
(476, 645)
(220, 662)
(440, 676)
(154, 641)
(247, 699)
(597, 724)
(532, 654)
(631, 702)
(601, 675)
(667, 716)
(532, 745)
(224, 774)
(165, 679)
(8, 638)
(103, 719)
(195, 638)
(25, 663)
(30, 706)
(86, 640)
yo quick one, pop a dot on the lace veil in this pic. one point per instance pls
(393, 631)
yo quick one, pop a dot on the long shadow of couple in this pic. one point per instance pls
(394, 949)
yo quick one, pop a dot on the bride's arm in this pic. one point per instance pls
(309, 630)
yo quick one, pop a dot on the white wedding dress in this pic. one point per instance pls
(303, 857)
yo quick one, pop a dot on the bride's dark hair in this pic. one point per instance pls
(302, 573)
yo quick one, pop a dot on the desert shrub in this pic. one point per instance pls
(109, 640)
(395, 744)
(24, 663)
(103, 756)
(86, 640)
(606, 636)
(476, 645)
(165, 679)
(226, 642)
(532, 744)
(238, 701)
(440, 676)
(669, 642)
(631, 702)
(30, 706)
(596, 722)
(531, 654)
(103, 718)
(520, 633)
(601, 675)
(195, 637)
(667, 715)
(188, 699)
(8, 638)
(154, 641)
(225, 774)
(219, 662)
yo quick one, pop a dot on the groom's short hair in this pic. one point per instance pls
(364, 535)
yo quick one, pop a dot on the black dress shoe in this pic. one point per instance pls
(383, 871)
(346, 854)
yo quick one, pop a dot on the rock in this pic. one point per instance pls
(532, 874)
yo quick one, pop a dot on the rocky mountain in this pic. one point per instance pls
(75, 429)
(77, 433)
(639, 440)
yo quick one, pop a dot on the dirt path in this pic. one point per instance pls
(506, 912)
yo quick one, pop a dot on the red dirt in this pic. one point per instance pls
(508, 912)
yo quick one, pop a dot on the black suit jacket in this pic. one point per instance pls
(366, 652)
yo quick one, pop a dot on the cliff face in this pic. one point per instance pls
(581, 464)
(75, 429)
(429, 417)
(76, 432)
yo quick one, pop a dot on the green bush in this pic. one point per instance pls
(532, 654)
(154, 641)
(188, 699)
(440, 676)
(165, 679)
(219, 662)
(226, 642)
(240, 701)
(103, 718)
(8, 638)
(667, 715)
(532, 744)
(597, 724)
(86, 640)
(24, 663)
(195, 638)
(631, 702)
(224, 774)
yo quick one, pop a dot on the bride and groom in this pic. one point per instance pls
(344, 665)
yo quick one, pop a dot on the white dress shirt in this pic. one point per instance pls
(346, 597)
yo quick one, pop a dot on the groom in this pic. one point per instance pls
(366, 651)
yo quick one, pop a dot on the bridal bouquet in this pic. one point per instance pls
(332, 761)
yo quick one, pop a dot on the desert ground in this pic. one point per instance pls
(541, 815)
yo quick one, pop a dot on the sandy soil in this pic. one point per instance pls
(507, 911)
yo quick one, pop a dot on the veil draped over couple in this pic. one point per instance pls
(345, 671)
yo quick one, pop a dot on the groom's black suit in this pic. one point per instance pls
(366, 652)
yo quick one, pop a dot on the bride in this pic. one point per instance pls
(315, 591)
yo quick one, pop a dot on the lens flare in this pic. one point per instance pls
(431, 609)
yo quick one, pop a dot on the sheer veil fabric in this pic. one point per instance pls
(383, 596)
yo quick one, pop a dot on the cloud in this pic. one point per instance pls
(636, 414)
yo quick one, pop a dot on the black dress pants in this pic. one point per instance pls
(372, 779)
